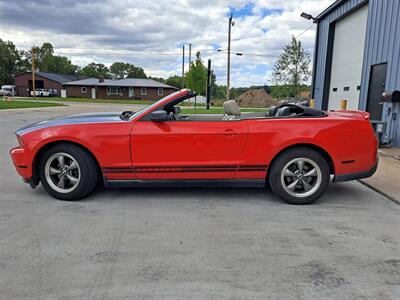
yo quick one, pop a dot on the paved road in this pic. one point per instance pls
(191, 243)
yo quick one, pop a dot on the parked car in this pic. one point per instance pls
(8, 90)
(53, 92)
(41, 93)
(295, 149)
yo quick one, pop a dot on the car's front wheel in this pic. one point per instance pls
(68, 172)
(299, 176)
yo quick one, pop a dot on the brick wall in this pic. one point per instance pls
(152, 93)
(22, 84)
(76, 91)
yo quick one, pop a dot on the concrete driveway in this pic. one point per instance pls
(191, 243)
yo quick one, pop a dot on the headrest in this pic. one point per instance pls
(272, 111)
(226, 109)
(283, 111)
(231, 108)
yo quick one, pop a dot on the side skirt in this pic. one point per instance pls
(185, 183)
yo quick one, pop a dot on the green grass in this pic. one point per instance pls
(108, 101)
(26, 104)
(217, 110)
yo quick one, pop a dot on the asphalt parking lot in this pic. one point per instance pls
(191, 243)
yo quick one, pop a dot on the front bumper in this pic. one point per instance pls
(22, 163)
(358, 175)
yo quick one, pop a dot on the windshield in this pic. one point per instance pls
(151, 106)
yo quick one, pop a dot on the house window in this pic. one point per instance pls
(346, 88)
(334, 90)
(160, 91)
(358, 87)
(144, 91)
(112, 90)
(83, 89)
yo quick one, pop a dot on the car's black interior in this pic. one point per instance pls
(232, 112)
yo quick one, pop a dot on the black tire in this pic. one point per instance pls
(289, 160)
(88, 170)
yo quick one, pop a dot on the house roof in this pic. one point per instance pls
(136, 82)
(333, 6)
(61, 78)
(87, 81)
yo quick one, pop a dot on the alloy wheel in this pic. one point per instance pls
(62, 172)
(301, 177)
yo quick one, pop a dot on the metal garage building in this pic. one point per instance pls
(357, 58)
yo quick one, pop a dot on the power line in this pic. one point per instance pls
(308, 28)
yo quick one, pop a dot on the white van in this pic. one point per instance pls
(8, 90)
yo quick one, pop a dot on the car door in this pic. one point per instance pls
(187, 149)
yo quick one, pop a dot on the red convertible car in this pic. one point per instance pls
(296, 150)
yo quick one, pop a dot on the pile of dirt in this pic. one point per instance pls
(255, 98)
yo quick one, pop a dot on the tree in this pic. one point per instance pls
(220, 92)
(293, 66)
(196, 78)
(95, 70)
(10, 62)
(62, 64)
(121, 70)
(46, 61)
(44, 57)
(175, 81)
(136, 72)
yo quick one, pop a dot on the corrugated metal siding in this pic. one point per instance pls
(322, 51)
(382, 44)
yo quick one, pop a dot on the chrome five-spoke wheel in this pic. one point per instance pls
(62, 172)
(301, 177)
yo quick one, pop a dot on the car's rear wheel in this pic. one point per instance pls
(299, 176)
(68, 172)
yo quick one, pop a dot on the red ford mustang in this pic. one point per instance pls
(293, 148)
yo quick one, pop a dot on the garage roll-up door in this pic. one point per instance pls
(347, 59)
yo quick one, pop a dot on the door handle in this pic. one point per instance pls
(232, 132)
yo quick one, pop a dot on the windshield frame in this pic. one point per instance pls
(162, 102)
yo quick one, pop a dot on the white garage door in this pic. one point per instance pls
(347, 59)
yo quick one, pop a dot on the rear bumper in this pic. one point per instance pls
(22, 163)
(358, 175)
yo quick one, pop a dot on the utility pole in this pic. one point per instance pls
(33, 74)
(209, 84)
(190, 55)
(183, 63)
(228, 75)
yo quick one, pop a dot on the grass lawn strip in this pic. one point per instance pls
(26, 104)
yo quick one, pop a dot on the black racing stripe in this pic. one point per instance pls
(264, 167)
(252, 170)
(130, 170)
(186, 169)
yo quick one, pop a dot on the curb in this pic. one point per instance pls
(394, 156)
(397, 201)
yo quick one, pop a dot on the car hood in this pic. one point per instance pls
(107, 117)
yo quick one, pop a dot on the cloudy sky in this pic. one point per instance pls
(150, 33)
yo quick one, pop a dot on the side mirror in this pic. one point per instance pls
(159, 116)
(177, 110)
